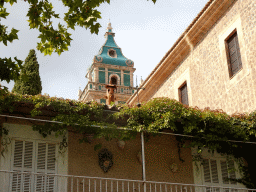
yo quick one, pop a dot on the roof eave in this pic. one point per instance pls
(195, 32)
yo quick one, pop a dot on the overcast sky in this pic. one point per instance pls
(145, 32)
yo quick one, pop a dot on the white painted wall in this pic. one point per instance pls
(25, 132)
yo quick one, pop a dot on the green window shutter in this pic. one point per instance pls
(114, 70)
(128, 72)
(102, 76)
(126, 80)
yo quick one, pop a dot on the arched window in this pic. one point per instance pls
(113, 80)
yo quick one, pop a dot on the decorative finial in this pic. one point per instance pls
(109, 28)
(141, 81)
(137, 91)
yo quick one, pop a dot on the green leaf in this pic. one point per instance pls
(3, 13)
(154, 1)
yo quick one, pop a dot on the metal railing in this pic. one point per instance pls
(35, 182)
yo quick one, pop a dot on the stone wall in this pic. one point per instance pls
(160, 153)
(206, 69)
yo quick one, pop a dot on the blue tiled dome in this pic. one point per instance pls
(110, 53)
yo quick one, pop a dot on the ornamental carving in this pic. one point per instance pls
(174, 167)
(98, 59)
(105, 160)
(129, 63)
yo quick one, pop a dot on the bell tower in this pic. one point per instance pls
(109, 66)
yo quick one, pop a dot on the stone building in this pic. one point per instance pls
(109, 66)
(212, 64)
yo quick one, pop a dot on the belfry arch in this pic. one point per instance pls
(114, 79)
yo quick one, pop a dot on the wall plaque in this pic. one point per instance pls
(105, 160)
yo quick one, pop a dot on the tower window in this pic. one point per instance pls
(233, 54)
(112, 53)
(183, 93)
(113, 80)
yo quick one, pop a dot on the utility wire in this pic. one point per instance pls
(164, 133)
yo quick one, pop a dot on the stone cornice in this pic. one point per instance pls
(195, 32)
(110, 66)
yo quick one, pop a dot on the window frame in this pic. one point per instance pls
(219, 171)
(179, 91)
(116, 80)
(227, 50)
(23, 131)
(198, 171)
(34, 168)
(112, 53)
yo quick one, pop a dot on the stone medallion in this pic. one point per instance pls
(105, 160)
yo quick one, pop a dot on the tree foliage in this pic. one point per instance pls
(81, 13)
(31, 85)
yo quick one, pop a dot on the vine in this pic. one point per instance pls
(5, 141)
(211, 129)
(84, 118)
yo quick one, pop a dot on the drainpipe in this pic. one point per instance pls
(143, 160)
(142, 143)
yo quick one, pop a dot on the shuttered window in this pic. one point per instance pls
(23, 161)
(183, 94)
(33, 156)
(233, 54)
(227, 170)
(216, 172)
(45, 164)
(210, 171)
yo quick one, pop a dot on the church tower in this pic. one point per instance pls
(109, 66)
